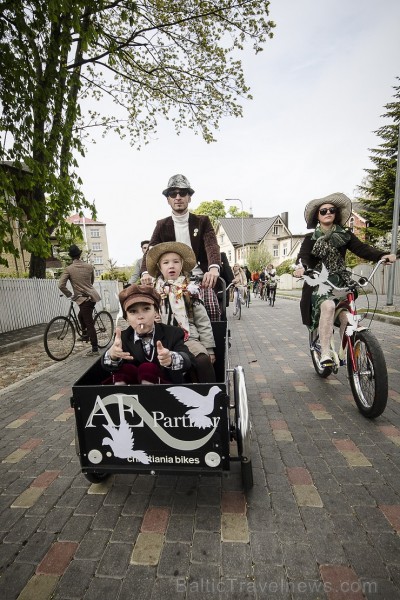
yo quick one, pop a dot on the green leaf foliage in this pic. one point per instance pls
(214, 210)
(378, 189)
(153, 58)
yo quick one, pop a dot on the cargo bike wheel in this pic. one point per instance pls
(242, 426)
(94, 476)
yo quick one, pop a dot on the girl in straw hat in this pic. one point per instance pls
(170, 263)
(327, 246)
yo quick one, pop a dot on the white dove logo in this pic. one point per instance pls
(200, 405)
(324, 288)
(122, 443)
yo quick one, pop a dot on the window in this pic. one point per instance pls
(275, 230)
(284, 250)
(95, 233)
(97, 272)
(275, 250)
(98, 260)
(221, 237)
(96, 246)
(229, 256)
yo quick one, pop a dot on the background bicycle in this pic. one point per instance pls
(238, 300)
(270, 291)
(248, 295)
(359, 350)
(61, 332)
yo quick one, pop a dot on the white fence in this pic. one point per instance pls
(27, 302)
(380, 279)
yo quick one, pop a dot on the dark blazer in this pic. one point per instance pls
(202, 238)
(170, 337)
(310, 261)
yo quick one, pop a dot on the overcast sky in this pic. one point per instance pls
(319, 90)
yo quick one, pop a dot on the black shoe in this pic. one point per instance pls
(93, 353)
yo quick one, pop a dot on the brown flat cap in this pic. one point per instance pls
(134, 294)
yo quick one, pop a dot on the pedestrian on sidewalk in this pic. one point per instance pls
(81, 276)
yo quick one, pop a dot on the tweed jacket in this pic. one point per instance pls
(309, 261)
(170, 337)
(81, 276)
(202, 238)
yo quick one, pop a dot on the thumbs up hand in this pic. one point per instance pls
(116, 352)
(164, 355)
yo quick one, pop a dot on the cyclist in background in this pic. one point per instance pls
(255, 277)
(261, 283)
(240, 283)
(81, 276)
(327, 247)
(270, 277)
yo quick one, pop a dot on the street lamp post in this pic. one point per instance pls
(241, 204)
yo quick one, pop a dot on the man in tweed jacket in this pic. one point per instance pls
(194, 230)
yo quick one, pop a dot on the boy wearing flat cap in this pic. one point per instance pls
(146, 352)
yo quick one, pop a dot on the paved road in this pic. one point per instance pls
(322, 520)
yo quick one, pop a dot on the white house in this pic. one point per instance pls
(237, 237)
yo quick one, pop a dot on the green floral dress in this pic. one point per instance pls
(326, 250)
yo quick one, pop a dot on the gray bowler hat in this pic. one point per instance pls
(178, 181)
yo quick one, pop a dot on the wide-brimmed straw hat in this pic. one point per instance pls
(178, 181)
(341, 201)
(154, 254)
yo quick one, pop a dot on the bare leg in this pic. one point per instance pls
(326, 325)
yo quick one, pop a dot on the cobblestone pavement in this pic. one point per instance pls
(322, 520)
(29, 361)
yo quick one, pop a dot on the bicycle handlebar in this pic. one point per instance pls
(362, 282)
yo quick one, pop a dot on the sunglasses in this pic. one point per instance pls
(325, 211)
(181, 193)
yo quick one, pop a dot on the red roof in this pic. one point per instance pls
(78, 220)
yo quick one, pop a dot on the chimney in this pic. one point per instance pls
(285, 218)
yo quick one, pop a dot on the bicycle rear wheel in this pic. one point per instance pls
(315, 351)
(104, 326)
(59, 338)
(369, 382)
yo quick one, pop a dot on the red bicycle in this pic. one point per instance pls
(359, 350)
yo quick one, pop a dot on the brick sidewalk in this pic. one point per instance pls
(322, 520)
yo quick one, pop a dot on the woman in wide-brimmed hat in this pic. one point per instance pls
(327, 246)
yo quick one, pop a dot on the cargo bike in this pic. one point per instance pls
(190, 428)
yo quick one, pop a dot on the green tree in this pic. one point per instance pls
(258, 258)
(153, 58)
(214, 210)
(236, 213)
(377, 192)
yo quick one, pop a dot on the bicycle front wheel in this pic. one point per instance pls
(315, 351)
(104, 326)
(369, 380)
(59, 338)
